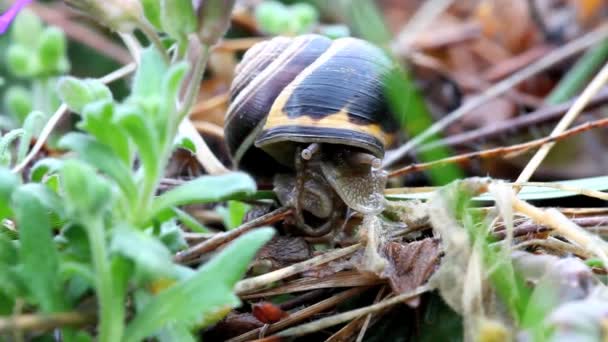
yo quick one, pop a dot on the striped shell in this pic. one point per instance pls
(303, 90)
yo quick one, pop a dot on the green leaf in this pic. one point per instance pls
(189, 221)
(37, 252)
(102, 157)
(204, 190)
(204, 296)
(149, 75)
(151, 255)
(77, 93)
(172, 236)
(47, 197)
(233, 214)
(8, 183)
(87, 194)
(175, 332)
(152, 12)
(171, 85)
(98, 120)
(44, 167)
(142, 133)
(5, 143)
(178, 18)
(31, 127)
(304, 17)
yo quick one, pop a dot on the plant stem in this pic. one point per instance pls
(151, 34)
(111, 320)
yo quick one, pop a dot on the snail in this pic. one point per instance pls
(311, 112)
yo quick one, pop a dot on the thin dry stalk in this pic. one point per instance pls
(500, 88)
(340, 279)
(301, 315)
(503, 151)
(209, 128)
(203, 153)
(563, 226)
(261, 281)
(222, 238)
(209, 104)
(350, 315)
(560, 247)
(578, 106)
(54, 119)
(44, 322)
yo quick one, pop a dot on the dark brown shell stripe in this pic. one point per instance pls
(254, 100)
(306, 89)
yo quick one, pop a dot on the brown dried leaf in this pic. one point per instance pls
(410, 265)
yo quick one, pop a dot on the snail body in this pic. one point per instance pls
(316, 104)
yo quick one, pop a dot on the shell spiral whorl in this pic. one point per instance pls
(304, 90)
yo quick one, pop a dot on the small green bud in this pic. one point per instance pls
(213, 19)
(78, 93)
(18, 102)
(20, 61)
(26, 29)
(303, 17)
(272, 17)
(52, 50)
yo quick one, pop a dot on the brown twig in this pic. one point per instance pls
(222, 238)
(503, 151)
(533, 228)
(521, 122)
(303, 314)
(350, 315)
(252, 284)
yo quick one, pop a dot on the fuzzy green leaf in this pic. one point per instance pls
(51, 50)
(142, 133)
(178, 18)
(98, 120)
(37, 252)
(8, 183)
(152, 12)
(204, 190)
(87, 194)
(151, 255)
(149, 75)
(77, 93)
(102, 157)
(203, 296)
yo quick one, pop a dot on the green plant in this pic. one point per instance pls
(91, 225)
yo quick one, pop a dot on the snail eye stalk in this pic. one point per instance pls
(7, 17)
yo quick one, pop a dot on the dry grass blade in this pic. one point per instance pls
(45, 321)
(222, 238)
(586, 192)
(503, 151)
(500, 88)
(203, 153)
(302, 314)
(340, 279)
(252, 284)
(580, 103)
(564, 227)
(350, 315)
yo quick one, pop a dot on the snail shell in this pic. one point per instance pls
(309, 89)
